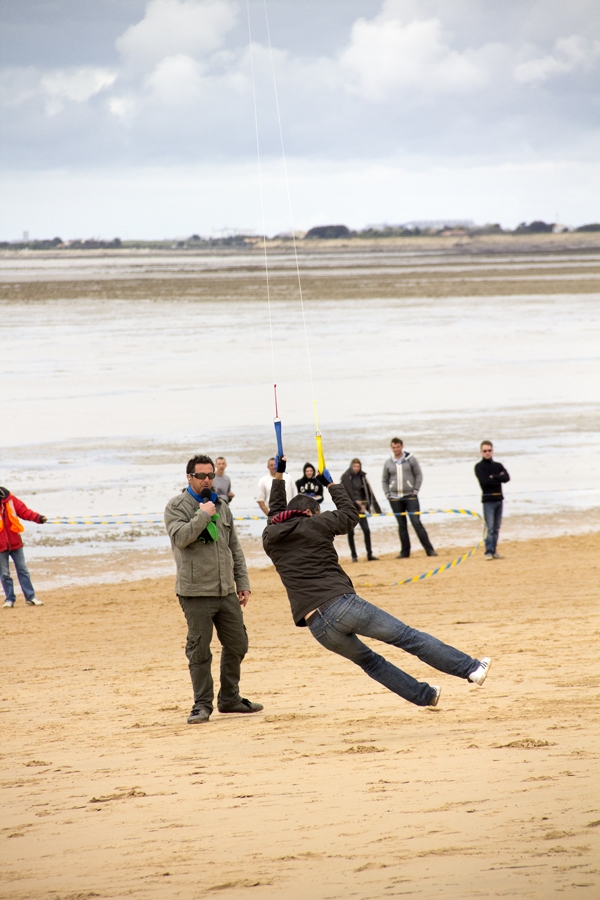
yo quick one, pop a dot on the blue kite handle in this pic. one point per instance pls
(277, 425)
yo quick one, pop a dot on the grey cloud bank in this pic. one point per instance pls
(499, 96)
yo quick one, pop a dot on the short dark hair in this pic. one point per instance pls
(200, 459)
(302, 501)
(220, 457)
(396, 440)
(485, 444)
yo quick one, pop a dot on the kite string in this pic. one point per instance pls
(291, 214)
(262, 205)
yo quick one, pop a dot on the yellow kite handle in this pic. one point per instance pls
(321, 456)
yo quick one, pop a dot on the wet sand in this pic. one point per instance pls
(338, 789)
(452, 266)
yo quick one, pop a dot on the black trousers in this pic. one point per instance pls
(225, 614)
(410, 505)
(364, 524)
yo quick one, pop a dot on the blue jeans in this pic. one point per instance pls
(18, 557)
(336, 629)
(492, 513)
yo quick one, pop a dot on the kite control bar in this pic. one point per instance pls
(277, 426)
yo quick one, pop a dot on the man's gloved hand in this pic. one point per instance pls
(324, 478)
(43, 520)
(280, 464)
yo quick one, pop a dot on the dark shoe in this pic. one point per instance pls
(355, 559)
(197, 715)
(244, 706)
(372, 558)
(403, 555)
(432, 553)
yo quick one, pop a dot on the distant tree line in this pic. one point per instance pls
(328, 232)
(318, 232)
(58, 243)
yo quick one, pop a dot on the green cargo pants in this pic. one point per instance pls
(226, 615)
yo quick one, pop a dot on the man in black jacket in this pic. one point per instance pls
(299, 540)
(491, 476)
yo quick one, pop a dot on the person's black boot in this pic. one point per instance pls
(198, 715)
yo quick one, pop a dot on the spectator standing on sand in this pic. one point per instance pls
(264, 487)
(299, 541)
(309, 485)
(401, 482)
(11, 547)
(221, 481)
(491, 476)
(212, 584)
(359, 490)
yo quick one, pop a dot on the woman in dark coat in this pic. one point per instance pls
(358, 488)
(309, 485)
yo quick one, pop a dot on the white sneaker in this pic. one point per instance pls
(33, 601)
(436, 699)
(498, 556)
(9, 604)
(480, 673)
(488, 556)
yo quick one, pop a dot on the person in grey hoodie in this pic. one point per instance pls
(401, 481)
(212, 585)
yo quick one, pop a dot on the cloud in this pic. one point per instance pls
(176, 80)
(76, 85)
(169, 28)
(571, 54)
(385, 56)
(414, 75)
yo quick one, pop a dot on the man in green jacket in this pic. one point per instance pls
(212, 584)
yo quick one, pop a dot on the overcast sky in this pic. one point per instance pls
(136, 118)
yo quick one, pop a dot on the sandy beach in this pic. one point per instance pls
(338, 789)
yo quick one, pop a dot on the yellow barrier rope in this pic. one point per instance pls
(439, 569)
(155, 519)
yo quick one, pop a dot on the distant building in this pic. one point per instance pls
(439, 224)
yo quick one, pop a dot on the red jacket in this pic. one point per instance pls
(11, 510)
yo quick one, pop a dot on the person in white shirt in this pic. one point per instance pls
(264, 487)
(221, 481)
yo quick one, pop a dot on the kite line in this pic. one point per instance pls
(277, 421)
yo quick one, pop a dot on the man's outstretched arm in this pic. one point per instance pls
(346, 516)
(278, 496)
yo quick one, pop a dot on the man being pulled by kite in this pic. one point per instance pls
(299, 541)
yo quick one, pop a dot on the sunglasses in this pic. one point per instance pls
(202, 475)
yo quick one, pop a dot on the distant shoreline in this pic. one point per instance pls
(451, 244)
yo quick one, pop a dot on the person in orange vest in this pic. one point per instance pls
(11, 547)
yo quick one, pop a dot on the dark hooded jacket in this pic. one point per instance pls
(310, 486)
(301, 549)
(358, 489)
